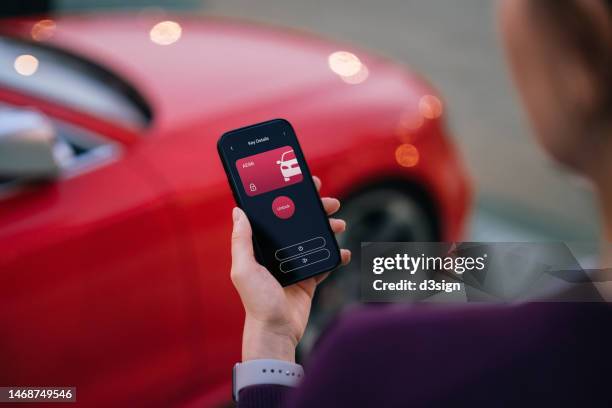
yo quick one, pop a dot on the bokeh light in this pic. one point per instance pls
(407, 155)
(430, 107)
(359, 77)
(26, 64)
(410, 121)
(348, 66)
(43, 30)
(165, 32)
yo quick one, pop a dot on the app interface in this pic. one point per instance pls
(269, 171)
(275, 189)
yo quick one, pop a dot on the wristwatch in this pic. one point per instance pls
(265, 371)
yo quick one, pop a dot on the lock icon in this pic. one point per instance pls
(252, 187)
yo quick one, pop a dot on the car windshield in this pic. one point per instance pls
(58, 76)
(287, 156)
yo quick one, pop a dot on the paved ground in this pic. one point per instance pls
(455, 45)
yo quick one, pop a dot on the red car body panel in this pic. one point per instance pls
(117, 280)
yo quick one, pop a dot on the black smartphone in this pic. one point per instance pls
(271, 182)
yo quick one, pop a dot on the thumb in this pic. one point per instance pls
(242, 244)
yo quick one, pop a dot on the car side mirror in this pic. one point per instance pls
(29, 149)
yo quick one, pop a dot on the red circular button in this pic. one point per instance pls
(283, 207)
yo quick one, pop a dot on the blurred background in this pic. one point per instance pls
(145, 272)
(520, 193)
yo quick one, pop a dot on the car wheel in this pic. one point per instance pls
(378, 214)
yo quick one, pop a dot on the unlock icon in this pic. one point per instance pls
(252, 187)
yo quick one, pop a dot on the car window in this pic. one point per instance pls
(56, 75)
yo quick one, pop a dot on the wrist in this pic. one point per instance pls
(263, 341)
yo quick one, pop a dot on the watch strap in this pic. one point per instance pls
(265, 371)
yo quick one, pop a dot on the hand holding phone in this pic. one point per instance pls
(276, 316)
(264, 163)
(272, 184)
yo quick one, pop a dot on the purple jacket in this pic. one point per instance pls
(549, 354)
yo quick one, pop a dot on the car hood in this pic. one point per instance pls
(217, 67)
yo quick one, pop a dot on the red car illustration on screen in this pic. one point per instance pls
(115, 220)
(289, 165)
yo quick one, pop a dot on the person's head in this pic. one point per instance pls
(560, 53)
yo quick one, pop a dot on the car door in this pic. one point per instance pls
(89, 290)
(91, 293)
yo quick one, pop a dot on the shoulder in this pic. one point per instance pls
(421, 322)
(380, 352)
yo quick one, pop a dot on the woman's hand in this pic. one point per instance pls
(276, 316)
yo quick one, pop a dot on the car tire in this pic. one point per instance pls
(383, 213)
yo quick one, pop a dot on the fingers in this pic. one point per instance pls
(317, 182)
(337, 225)
(331, 205)
(242, 245)
(345, 255)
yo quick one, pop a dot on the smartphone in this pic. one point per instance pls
(271, 182)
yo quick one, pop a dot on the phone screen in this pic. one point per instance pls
(273, 185)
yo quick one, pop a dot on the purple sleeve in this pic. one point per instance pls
(262, 396)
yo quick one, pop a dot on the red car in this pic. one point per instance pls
(115, 210)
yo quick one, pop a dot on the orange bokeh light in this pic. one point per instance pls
(430, 107)
(407, 155)
(409, 122)
(43, 30)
